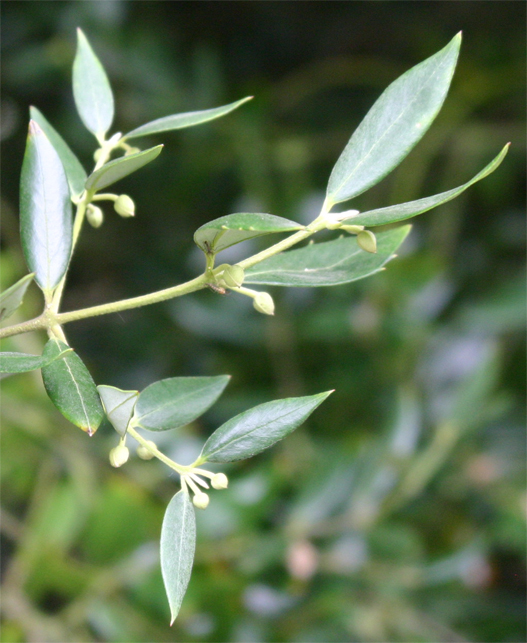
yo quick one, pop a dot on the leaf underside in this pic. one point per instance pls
(119, 406)
(12, 297)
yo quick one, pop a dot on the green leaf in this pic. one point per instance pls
(91, 89)
(226, 231)
(326, 264)
(259, 428)
(403, 211)
(178, 543)
(72, 390)
(119, 406)
(75, 173)
(22, 362)
(114, 170)
(176, 401)
(12, 298)
(188, 119)
(45, 211)
(393, 126)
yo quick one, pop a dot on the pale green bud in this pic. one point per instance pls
(219, 481)
(367, 241)
(233, 276)
(334, 219)
(97, 155)
(119, 455)
(144, 453)
(132, 150)
(353, 229)
(263, 303)
(124, 206)
(95, 215)
(201, 500)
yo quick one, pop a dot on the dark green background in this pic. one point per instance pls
(397, 513)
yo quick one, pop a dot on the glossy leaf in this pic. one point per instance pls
(187, 119)
(226, 231)
(72, 390)
(91, 89)
(119, 406)
(13, 296)
(176, 401)
(326, 264)
(393, 126)
(178, 543)
(258, 428)
(75, 173)
(403, 211)
(23, 362)
(114, 170)
(45, 211)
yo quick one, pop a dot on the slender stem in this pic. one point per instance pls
(179, 468)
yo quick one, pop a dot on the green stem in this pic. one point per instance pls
(179, 468)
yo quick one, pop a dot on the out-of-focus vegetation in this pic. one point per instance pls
(397, 513)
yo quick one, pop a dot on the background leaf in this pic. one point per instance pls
(258, 428)
(178, 543)
(72, 390)
(91, 89)
(117, 169)
(176, 401)
(234, 228)
(119, 406)
(22, 362)
(45, 210)
(395, 123)
(328, 263)
(12, 298)
(188, 119)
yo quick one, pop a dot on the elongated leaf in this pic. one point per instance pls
(119, 406)
(75, 173)
(178, 543)
(403, 211)
(226, 231)
(114, 170)
(326, 264)
(176, 401)
(393, 126)
(72, 390)
(45, 211)
(12, 298)
(188, 119)
(259, 428)
(22, 362)
(91, 89)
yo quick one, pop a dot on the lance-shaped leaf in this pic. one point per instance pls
(23, 362)
(226, 231)
(393, 126)
(326, 264)
(119, 406)
(75, 173)
(403, 211)
(12, 298)
(91, 89)
(178, 543)
(114, 170)
(258, 428)
(176, 401)
(72, 390)
(187, 119)
(45, 210)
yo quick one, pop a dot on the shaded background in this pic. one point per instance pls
(397, 513)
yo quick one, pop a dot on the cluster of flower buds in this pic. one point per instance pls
(365, 238)
(195, 477)
(123, 205)
(227, 276)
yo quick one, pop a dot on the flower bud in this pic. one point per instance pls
(219, 481)
(95, 215)
(201, 500)
(263, 303)
(119, 455)
(144, 453)
(334, 219)
(124, 206)
(233, 276)
(367, 241)
(97, 154)
(132, 150)
(353, 229)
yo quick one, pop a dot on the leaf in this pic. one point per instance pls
(188, 119)
(91, 89)
(23, 362)
(226, 231)
(12, 298)
(178, 543)
(75, 173)
(119, 406)
(176, 401)
(114, 170)
(258, 428)
(45, 211)
(326, 264)
(72, 390)
(394, 213)
(393, 126)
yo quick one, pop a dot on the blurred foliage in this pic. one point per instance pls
(398, 512)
